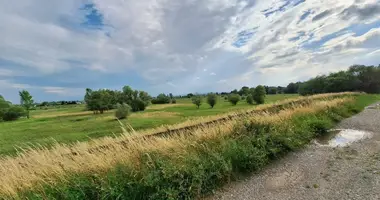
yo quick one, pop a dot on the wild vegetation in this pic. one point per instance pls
(172, 150)
(72, 123)
(185, 165)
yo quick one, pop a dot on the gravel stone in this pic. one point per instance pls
(319, 171)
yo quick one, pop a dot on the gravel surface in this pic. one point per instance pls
(320, 171)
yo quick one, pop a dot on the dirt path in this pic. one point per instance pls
(320, 171)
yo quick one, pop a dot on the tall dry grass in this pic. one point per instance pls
(47, 166)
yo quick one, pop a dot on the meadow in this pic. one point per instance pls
(71, 123)
(186, 165)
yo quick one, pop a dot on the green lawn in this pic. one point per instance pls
(71, 123)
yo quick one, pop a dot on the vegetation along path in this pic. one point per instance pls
(324, 170)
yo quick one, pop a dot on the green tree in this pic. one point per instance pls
(26, 101)
(161, 99)
(197, 100)
(250, 99)
(259, 95)
(212, 99)
(122, 111)
(244, 91)
(272, 90)
(234, 99)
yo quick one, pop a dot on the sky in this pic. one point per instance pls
(56, 49)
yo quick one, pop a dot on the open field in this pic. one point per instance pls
(180, 166)
(67, 124)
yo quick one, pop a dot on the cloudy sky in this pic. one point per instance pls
(56, 49)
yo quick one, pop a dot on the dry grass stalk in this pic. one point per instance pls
(46, 166)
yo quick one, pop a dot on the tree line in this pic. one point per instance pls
(356, 78)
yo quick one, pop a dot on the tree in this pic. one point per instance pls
(234, 99)
(292, 88)
(161, 99)
(244, 91)
(259, 95)
(234, 91)
(99, 101)
(197, 100)
(190, 95)
(26, 101)
(171, 95)
(122, 111)
(14, 113)
(272, 90)
(250, 99)
(212, 99)
(9, 112)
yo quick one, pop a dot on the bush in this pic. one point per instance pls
(259, 94)
(122, 111)
(234, 98)
(197, 100)
(212, 99)
(138, 105)
(161, 99)
(14, 113)
(250, 99)
(174, 101)
(226, 98)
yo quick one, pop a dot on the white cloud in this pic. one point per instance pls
(163, 40)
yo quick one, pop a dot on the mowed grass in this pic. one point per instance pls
(69, 124)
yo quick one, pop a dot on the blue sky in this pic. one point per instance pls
(56, 49)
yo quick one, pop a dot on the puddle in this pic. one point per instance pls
(376, 106)
(342, 137)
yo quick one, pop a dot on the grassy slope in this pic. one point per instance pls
(70, 123)
(203, 166)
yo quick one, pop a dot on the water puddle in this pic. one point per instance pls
(342, 137)
(376, 106)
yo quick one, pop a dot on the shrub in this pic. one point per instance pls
(161, 99)
(174, 101)
(212, 99)
(197, 100)
(122, 111)
(259, 94)
(138, 105)
(226, 98)
(250, 99)
(14, 113)
(234, 98)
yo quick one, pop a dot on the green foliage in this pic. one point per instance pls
(356, 78)
(244, 91)
(190, 95)
(272, 90)
(197, 100)
(26, 101)
(292, 88)
(161, 99)
(234, 98)
(104, 99)
(174, 101)
(250, 99)
(14, 113)
(99, 101)
(212, 99)
(122, 111)
(259, 94)
(208, 164)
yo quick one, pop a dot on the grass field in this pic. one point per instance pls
(72, 123)
(180, 166)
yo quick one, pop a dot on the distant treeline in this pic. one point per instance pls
(356, 78)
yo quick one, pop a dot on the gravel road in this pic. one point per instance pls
(320, 171)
